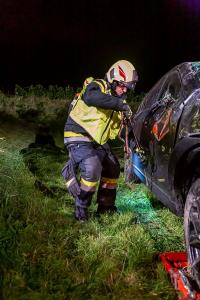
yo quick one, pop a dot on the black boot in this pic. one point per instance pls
(106, 201)
(106, 209)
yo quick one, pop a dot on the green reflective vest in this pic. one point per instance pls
(101, 124)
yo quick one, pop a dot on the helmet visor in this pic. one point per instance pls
(130, 85)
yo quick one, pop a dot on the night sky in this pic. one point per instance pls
(62, 42)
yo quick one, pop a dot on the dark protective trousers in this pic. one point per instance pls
(97, 166)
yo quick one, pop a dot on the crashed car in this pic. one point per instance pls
(165, 150)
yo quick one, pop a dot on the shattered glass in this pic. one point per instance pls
(190, 121)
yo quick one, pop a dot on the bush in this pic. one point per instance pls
(19, 91)
(52, 92)
(134, 100)
(133, 97)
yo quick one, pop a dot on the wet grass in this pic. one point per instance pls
(46, 254)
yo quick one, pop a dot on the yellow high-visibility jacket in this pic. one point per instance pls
(101, 124)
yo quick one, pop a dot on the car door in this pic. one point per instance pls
(162, 126)
(141, 132)
(141, 135)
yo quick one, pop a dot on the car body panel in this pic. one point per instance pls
(167, 127)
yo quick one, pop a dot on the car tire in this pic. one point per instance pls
(129, 175)
(192, 229)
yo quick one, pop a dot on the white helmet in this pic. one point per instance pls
(124, 72)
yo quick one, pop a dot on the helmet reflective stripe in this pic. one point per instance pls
(121, 73)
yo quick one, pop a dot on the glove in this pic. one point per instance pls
(127, 110)
(69, 175)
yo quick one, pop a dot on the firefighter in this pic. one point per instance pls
(93, 120)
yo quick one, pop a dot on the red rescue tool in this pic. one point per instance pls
(175, 264)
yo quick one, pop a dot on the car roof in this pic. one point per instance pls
(187, 67)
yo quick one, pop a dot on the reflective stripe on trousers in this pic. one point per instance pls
(95, 164)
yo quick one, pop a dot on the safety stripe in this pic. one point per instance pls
(69, 182)
(88, 188)
(109, 180)
(77, 139)
(109, 186)
(101, 84)
(106, 90)
(71, 134)
(89, 183)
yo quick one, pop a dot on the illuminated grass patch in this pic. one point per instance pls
(46, 254)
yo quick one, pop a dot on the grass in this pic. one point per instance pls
(34, 110)
(46, 254)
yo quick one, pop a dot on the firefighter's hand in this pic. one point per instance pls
(127, 111)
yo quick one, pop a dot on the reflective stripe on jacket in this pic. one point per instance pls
(101, 124)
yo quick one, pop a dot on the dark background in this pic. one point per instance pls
(62, 42)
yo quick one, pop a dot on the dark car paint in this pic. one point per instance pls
(169, 134)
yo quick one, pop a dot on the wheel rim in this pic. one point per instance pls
(194, 238)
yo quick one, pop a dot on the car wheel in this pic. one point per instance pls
(129, 175)
(192, 229)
